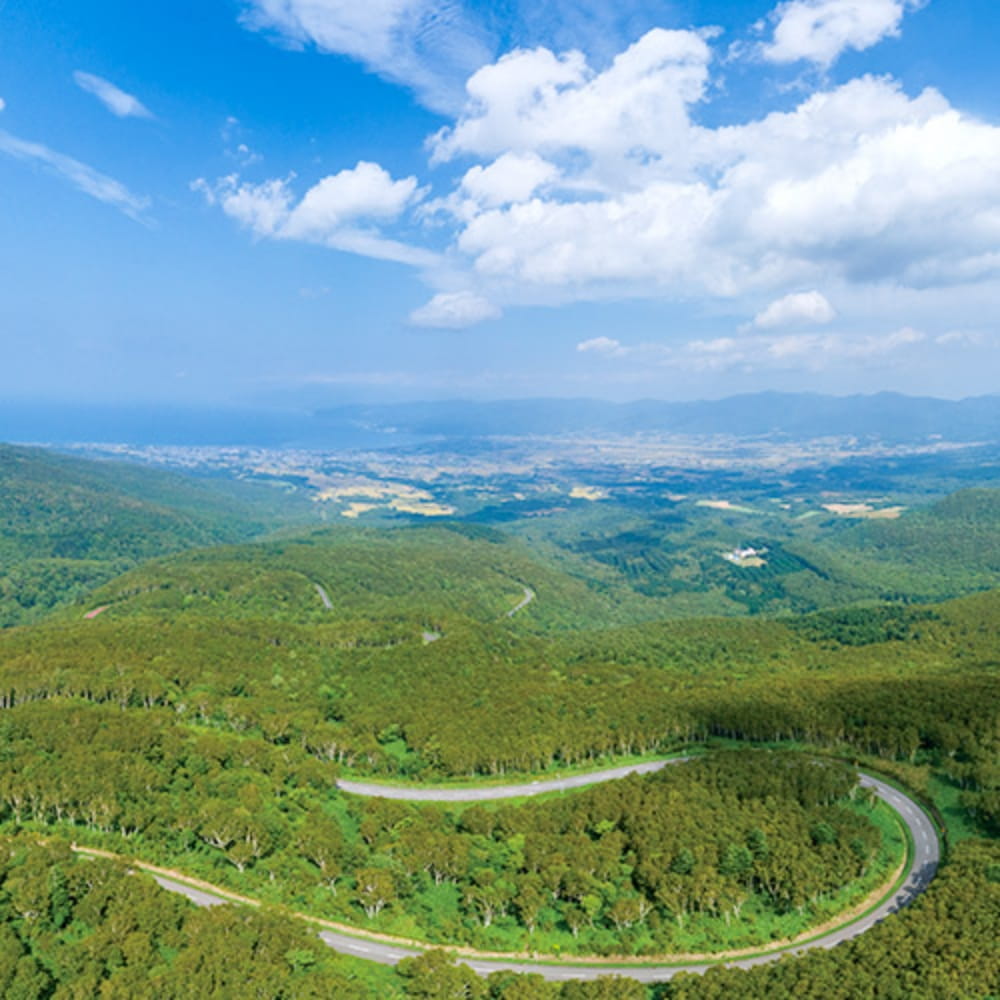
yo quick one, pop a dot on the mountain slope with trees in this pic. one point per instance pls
(69, 524)
(203, 718)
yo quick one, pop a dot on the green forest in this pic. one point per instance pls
(68, 524)
(197, 673)
(667, 556)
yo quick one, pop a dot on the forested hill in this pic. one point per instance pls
(807, 553)
(416, 666)
(385, 584)
(201, 719)
(654, 570)
(939, 551)
(68, 524)
(218, 738)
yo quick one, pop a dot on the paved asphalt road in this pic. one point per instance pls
(927, 855)
(371, 789)
(197, 896)
(529, 596)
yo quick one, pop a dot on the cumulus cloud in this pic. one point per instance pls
(645, 236)
(83, 177)
(584, 180)
(3, 104)
(820, 30)
(861, 183)
(366, 191)
(798, 307)
(117, 101)
(511, 177)
(538, 101)
(455, 310)
(428, 45)
(341, 211)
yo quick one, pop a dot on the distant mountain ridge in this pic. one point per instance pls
(887, 416)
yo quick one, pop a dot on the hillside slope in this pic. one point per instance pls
(67, 524)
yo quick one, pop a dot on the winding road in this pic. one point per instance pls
(377, 948)
(529, 596)
(484, 793)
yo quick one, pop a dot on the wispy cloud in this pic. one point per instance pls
(431, 46)
(80, 175)
(806, 352)
(235, 144)
(600, 28)
(116, 100)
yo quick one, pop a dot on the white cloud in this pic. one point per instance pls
(910, 196)
(512, 177)
(601, 345)
(646, 236)
(542, 102)
(820, 30)
(338, 211)
(454, 310)
(113, 98)
(362, 30)
(85, 178)
(366, 191)
(798, 307)
(590, 182)
(264, 208)
(3, 104)
(433, 46)
(429, 45)
(860, 183)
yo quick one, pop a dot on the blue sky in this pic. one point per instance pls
(265, 201)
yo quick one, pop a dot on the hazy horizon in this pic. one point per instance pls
(334, 425)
